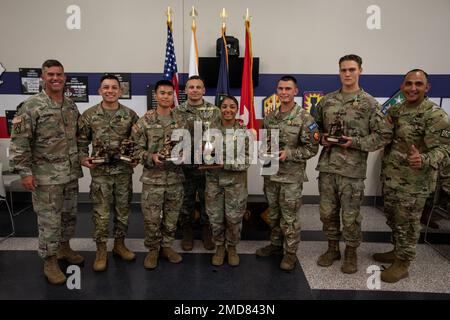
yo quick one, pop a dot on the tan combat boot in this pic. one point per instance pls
(332, 254)
(233, 258)
(269, 250)
(67, 254)
(219, 256)
(187, 244)
(350, 260)
(288, 262)
(207, 238)
(101, 257)
(151, 260)
(397, 271)
(122, 251)
(53, 272)
(385, 257)
(171, 255)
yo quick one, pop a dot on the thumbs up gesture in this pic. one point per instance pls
(414, 159)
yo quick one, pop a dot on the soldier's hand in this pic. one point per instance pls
(414, 159)
(324, 141)
(156, 159)
(134, 163)
(29, 183)
(346, 144)
(282, 156)
(87, 163)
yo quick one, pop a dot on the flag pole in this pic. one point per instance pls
(169, 14)
(193, 59)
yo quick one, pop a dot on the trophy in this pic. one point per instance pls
(100, 156)
(336, 131)
(127, 150)
(166, 152)
(268, 153)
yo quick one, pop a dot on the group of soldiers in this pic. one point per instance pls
(50, 141)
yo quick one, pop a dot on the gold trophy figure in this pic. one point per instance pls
(166, 151)
(127, 150)
(336, 131)
(101, 154)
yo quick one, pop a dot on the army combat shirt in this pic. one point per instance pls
(363, 121)
(44, 140)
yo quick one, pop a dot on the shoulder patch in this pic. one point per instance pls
(312, 126)
(135, 128)
(385, 109)
(17, 119)
(445, 133)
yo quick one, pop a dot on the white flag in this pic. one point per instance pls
(193, 54)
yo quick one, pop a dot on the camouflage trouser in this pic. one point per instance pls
(403, 212)
(56, 209)
(161, 207)
(285, 200)
(341, 193)
(194, 184)
(225, 206)
(114, 191)
(445, 183)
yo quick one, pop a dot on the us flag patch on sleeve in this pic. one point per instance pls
(445, 133)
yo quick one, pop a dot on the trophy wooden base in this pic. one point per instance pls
(269, 155)
(98, 161)
(126, 159)
(337, 140)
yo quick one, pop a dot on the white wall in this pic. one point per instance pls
(289, 36)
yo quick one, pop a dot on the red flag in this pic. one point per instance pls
(247, 108)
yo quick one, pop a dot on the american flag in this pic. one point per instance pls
(170, 63)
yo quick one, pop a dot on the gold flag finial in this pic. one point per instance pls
(193, 14)
(169, 14)
(247, 16)
(224, 16)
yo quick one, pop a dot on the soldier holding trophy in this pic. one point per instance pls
(196, 111)
(352, 125)
(162, 178)
(107, 126)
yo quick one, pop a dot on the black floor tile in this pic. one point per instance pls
(195, 278)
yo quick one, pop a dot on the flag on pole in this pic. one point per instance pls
(170, 63)
(223, 82)
(247, 108)
(193, 53)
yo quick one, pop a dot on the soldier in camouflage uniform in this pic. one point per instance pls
(421, 142)
(343, 163)
(195, 109)
(162, 189)
(298, 141)
(226, 187)
(107, 125)
(44, 152)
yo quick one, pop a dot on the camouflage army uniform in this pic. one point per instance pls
(162, 189)
(342, 171)
(44, 145)
(111, 183)
(299, 136)
(195, 179)
(445, 176)
(226, 191)
(405, 190)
